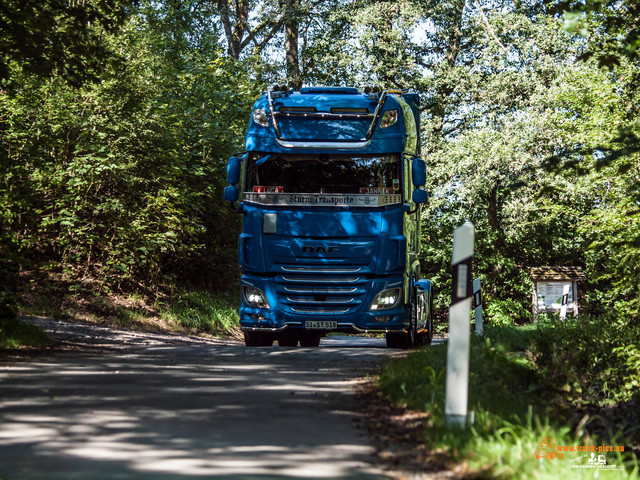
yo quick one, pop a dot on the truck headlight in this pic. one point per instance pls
(260, 117)
(390, 117)
(255, 297)
(386, 299)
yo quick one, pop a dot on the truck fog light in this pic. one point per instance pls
(260, 117)
(255, 297)
(386, 299)
(382, 319)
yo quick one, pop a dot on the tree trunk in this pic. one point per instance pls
(292, 12)
(454, 39)
(493, 217)
(236, 32)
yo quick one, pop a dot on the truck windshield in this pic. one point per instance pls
(346, 174)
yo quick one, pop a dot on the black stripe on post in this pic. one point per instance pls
(462, 286)
(477, 299)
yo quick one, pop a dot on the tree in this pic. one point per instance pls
(238, 31)
(58, 37)
(120, 181)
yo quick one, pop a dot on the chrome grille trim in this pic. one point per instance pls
(313, 300)
(321, 280)
(321, 290)
(322, 269)
(321, 311)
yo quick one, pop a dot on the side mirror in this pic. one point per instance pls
(231, 193)
(420, 196)
(233, 170)
(419, 172)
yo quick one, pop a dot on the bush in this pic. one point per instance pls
(8, 306)
(595, 359)
(514, 401)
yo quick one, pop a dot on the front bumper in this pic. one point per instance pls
(343, 299)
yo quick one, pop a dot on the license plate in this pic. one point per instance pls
(320, 325)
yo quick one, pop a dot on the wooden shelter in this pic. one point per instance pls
(555, 290)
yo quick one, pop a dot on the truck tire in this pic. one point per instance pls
(409, 338)
(428, 338)
(309, 338)
(397, 340)
(288, 338)
(258, 339)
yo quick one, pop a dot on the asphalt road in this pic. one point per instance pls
(139, 406)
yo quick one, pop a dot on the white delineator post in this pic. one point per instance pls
(457, 388)
(477, 302)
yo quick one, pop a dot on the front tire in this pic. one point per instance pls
(428, 337)
(398, 340)
(409, 338)
(288, 338)
(309, 338)
(258, 339)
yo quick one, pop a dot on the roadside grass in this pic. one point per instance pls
(169, 309)
(13, 332)
(17, 334)
(517, 404)
(200, 311)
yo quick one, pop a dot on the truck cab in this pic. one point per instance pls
(329, 190)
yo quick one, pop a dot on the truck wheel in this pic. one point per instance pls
(288, 338)
(309, 338)
(398, 340)
(414, 338)
(258, 339)
(428, 338)
(410, 338)
(424, 336)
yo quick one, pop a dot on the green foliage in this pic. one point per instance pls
(199, 311)
(514, 401)
(121, 180)
(593, 359)
(16, 334)
(504, 312)
(8, 306)
(13, 332)
(613, 256)
(118, 181)
(58, 37)
(501, 383)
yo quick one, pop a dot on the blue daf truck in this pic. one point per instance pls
(329, 190)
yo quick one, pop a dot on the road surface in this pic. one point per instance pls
(158, 406)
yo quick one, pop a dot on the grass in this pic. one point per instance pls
(17, 334)
(187, 311)
(516, 406)
(13, 332)
(200, 311)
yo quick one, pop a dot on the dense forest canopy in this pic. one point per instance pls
(117, 117)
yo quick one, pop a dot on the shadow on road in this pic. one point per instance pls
(203, 410)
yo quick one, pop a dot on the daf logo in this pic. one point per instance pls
(320, 249)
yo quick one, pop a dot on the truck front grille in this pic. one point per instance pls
(321, 290)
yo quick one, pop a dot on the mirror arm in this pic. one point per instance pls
(407, 208)
(237, 209)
